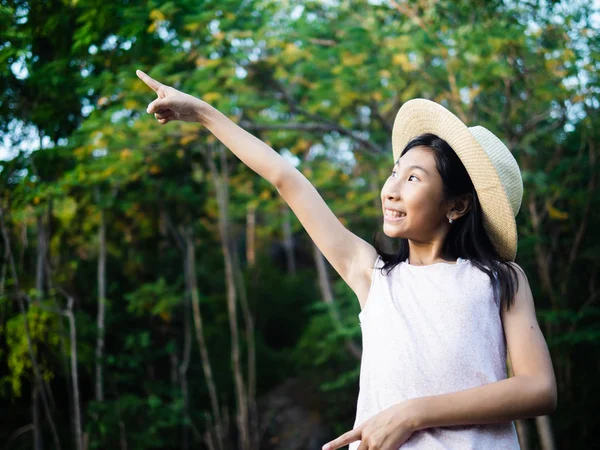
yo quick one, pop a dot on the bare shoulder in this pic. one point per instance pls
(523, 297)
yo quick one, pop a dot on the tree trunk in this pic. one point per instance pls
(183, 368)
(327, 295)
(249, 322)
(41, 258)
(38, 443)
(250, 234)
(523, 433)
(192, 287)
(544, 429)
(99, 389)
(222, 192)
(74, 376)
(288, 241)
(3, 275)
(542, 423)
(185, 242)
(23, 310)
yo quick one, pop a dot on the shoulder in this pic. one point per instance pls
(517, 267)
(522, 304)
(523, 281)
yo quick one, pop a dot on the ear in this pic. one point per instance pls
(459, 206)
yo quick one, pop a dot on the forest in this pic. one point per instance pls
(156, 293)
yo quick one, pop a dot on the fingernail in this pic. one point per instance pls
(326, 447)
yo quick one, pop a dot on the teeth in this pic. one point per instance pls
(391, 213)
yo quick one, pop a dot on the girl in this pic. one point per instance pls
(440, 316)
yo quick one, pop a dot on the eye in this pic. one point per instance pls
(393, 174)
(411, 177)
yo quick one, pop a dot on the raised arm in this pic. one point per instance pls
(350, 256)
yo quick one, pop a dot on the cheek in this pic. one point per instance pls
(422, 205)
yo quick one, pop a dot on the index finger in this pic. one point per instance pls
(154, 85)
(344, 439)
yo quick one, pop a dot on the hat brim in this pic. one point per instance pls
(418, 116)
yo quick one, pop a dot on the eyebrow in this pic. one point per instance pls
(420, 168)
(414, 167)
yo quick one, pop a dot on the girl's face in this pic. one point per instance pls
(412, 198)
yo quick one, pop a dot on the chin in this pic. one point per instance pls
(392, 233)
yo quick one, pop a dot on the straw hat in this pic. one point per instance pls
(492, 168)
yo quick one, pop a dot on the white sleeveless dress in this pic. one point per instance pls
(430, 330)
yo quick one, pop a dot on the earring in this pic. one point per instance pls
(450, 220)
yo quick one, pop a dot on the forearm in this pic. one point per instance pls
(253, 152)
(503, 401)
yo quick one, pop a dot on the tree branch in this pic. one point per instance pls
(322, 121)
(321, 127)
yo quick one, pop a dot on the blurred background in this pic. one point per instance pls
(157, 293)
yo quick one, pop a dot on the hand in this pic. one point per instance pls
(171, 104)
(387, 430)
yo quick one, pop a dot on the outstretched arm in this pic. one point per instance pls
(350, 256)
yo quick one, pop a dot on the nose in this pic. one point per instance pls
(390, 191)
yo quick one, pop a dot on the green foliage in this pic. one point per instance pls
(327, 79)
(43, 332)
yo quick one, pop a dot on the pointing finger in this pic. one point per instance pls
(151, 82)
(344, 439)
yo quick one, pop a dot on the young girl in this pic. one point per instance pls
(438, 317)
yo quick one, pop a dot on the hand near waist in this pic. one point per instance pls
(387, 430)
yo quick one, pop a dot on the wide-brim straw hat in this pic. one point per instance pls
(493, 169)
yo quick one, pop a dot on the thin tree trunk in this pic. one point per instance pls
(36, 370)
(184, 240)
(74, 375)
(41, 257)
(544, 429)
(3, 275)
(251, 234)
(190, 272)
(62, 333)
(41, 280)
(523, 433)
(327, 295)
(249, 323)
(288, 241)
(38, 443)
(222, 192)
(99, 389)
(122, 435)
(543, 425)
(183, 368)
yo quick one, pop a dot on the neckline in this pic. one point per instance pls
(458, 262)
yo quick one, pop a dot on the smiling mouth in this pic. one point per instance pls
(394, 215)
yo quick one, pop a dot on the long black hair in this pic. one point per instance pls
(467, 238)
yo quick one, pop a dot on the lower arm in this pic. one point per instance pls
(502, 401)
